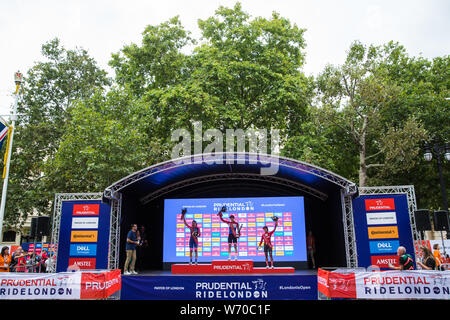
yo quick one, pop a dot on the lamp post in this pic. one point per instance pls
(439, 150)
(18, 79)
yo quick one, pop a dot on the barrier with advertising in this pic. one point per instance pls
(302, 287)
(382, 224)
(417, 284)
(84, 235)
(59, 286)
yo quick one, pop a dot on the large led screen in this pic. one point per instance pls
(253, 214)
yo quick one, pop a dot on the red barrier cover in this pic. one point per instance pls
(336, 285)
(100, 285)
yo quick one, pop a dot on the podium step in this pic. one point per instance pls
(225, 266)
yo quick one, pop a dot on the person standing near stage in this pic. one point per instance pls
(141, 249)
(130, 248)
(429, 262)
(233, 234)
(405, 260)
(5, 260)
(43, 261)
(267, 243)
(21, 259)
(311, 248)
(193, 240)
(437, 256)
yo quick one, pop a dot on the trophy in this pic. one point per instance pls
(224, 209)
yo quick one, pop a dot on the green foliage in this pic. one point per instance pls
(50, 91)
(364, 119)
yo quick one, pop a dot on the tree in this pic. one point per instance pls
(244, 74)
(105, 140)
(354, 97)
(50, 91)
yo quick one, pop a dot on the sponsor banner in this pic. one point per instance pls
(83, 236)
(85, 223)
(379, 204)
(292, 287)
(387, 285)
(374, 218)
(59, 286)
(86, 209)
(383, 232)
(82, 263)
(384, 246)
(83, 250)
(382, 224)
(84, 232)
(384, 261)
(403, 285)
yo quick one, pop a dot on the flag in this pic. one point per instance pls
(3, 133)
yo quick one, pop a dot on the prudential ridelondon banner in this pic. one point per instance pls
(403, 285)
(59, 286)
(416, 284)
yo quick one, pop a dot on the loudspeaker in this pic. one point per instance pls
(440, 221)
(40, 226)
(422, 218)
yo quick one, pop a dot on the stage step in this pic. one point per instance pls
(225, 266)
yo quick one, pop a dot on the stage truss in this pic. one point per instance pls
(114, 237)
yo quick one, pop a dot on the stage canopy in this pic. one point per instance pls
(165, 177)
(139, 195)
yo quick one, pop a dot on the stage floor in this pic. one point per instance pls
(159, 273)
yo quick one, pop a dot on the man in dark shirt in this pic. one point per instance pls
(130, 248)
(141, 249)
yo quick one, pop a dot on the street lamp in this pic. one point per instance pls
(438, 150)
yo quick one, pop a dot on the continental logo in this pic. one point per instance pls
(383, 232)
(83, 236)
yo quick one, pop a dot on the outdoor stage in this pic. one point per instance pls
(221, 280)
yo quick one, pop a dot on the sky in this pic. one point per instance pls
(103, 27)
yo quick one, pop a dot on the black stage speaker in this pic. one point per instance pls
(40, 226)
(422, 218)
(441, 220)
